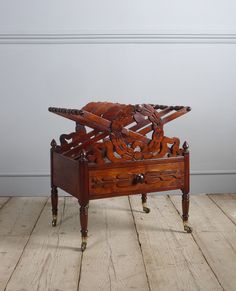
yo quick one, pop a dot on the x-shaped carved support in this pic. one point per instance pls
(102, 127)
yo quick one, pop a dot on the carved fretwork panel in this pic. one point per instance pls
(120, 132)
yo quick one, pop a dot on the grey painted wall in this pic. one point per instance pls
(69, 53)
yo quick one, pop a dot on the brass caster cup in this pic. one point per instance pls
(54, 221)
(187, 228)
(146, 209)
(84, 244)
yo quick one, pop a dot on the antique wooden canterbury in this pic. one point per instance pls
(117, 150)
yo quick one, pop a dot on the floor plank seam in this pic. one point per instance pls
(26, 244)
(110, 255)
(140, 246)
(208, 263)
(9, 198)
(192, 234)
(62, 216)
(208, 195)
(80, 271)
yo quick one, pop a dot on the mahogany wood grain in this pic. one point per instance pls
(65, 174)
(118, 157)
(115, 181)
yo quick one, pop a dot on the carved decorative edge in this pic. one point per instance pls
(185, 147)
(83, 156)
(137, 106)
(176, 107)
(66, 111)
(53, 144)
(118, 147)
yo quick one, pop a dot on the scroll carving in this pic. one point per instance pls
(117, 148)
(120, 132)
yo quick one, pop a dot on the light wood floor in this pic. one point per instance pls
(127, 249)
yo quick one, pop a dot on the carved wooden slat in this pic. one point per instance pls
(75, 152)
(93, 106)
(176, 114)
(110, 138)
(112, 111)
(78, 139)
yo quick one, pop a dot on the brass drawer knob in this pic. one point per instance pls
(139, 178)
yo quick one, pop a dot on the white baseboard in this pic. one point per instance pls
(38, 184)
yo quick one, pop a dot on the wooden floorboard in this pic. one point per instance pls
(172, 258)
(215, 234)
(127, 248)
(227, 203)
(17, 220)
(52, 258)
(3, 201)
(113, 259)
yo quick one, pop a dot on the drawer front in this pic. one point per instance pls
(140, 179)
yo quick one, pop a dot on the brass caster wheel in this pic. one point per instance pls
(84, 244)
(188, 228)
(54, 221)
(146, 209)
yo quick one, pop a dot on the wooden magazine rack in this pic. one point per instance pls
(118, 150)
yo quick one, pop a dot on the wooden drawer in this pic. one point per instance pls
(136, 179)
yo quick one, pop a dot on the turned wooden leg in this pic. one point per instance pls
(84, 225)
(54, 201)
(185, 209)
(144, 203)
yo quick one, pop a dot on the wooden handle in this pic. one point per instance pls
(139, 178)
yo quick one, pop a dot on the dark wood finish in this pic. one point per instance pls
(84, 225)
(185, 190)
(83, 198)
(54, 201)
(135, 178)
(65, 174)
(54, 192)
(144, 203)
(121, 151)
